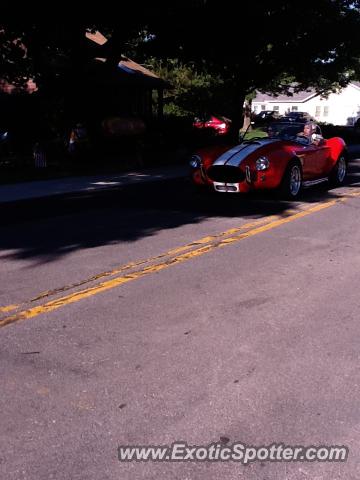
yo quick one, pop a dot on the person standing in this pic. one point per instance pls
(39, 155)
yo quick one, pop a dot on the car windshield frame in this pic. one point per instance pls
(290, 132)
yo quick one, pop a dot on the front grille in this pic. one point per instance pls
(225, 173)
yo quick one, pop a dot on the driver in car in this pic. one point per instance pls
(309, 135)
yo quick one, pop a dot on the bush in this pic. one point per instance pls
(350, 135)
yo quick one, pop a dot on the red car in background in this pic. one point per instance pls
(218, 124)
(286, 159)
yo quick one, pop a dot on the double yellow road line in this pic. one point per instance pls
(135, 270)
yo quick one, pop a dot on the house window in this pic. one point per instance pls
(326, 111)
(262, 107)
(275, 108)
(294, 109)
(255, 108)
(317, 111)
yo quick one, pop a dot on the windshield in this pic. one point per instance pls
(291, 132)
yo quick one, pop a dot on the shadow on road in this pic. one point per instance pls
(46, 229)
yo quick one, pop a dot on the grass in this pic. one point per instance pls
(255, 132)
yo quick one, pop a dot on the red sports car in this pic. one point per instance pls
(290, 157)
(218, 124)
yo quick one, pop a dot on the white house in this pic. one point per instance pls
(341, 108)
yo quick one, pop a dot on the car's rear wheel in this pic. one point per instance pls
(338, 173)
(291, 184)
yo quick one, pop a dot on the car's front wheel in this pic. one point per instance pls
(338, 173)
(291, 184)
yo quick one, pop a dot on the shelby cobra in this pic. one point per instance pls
(290, 157)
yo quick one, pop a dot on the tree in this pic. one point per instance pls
(312, 43)
(195, 91)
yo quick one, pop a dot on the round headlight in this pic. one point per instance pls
(195, 161)
(262, 163)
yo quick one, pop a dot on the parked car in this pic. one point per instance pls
(218, 124)
(266, 117)
(286, 160)
(299, 117)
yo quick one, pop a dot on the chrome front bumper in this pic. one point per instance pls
(226, 187)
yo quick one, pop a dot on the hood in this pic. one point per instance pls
(236, 155)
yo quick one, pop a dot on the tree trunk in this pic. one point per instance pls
(237, 117)
(247, 117)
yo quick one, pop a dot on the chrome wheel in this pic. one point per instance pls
(341, 169)
(295, 180)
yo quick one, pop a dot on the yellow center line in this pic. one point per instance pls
(132, 265)
(115, 282)
(8, 308)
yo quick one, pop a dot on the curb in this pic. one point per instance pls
(20, 192)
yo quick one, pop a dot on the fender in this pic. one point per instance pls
(284, 166)
(337, 146)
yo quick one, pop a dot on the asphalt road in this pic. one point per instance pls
(154, 314)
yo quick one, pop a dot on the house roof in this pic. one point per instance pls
(295, 97)
(299, 97)
(130, 66)
(96, 37)
(130, 72)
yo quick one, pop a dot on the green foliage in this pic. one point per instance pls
(312, 43)
(216, 63)
(195, 91)
(350, 135)
(256, 132)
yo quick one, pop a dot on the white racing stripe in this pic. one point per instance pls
(236, 155)
(228, 154)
